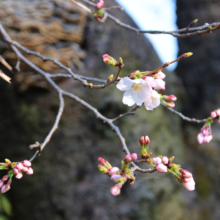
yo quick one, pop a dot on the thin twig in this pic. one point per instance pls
(132, 112)
(180, 33)
(150, 170)
(5, 77)
(184, 117)
(75, 76)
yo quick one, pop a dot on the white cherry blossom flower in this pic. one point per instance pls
(136, 91)
(152, 101)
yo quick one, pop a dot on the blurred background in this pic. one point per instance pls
(66, 184)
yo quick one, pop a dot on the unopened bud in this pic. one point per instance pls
(186, 55)
(19, 176)
(103, 169)
(165, 160)
(110, 78)
(218, 112)
(171, 159)
(120, 60)
(170, 97)
(7, 161)
(213, 114)
(26, 163)
(100, 4)
(144, 140)
(109, 60)
(127, 158)
(19, 166)
(134, 156)
(156, 160)
(161, 168)
(30, 171)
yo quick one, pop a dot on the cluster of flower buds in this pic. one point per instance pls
(15, 168)
(161, 163)
(99, 12)
(144, 141)
(205, 135)
(216, 114)
(119, 176)
(168, 100)
(109, 60)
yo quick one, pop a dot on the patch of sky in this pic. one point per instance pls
(156, 15)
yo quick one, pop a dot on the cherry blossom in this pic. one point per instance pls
(152, 101)
(136, 91)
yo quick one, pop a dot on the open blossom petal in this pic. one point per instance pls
(137, 91)
(152, 101)
(127, 98)
(125, 84)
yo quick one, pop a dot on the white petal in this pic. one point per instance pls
(125, 84)
(138, 81)
(152, 101)
(128, 98)
(151, 81)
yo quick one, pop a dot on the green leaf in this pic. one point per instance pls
(2, 217)
(6, 206)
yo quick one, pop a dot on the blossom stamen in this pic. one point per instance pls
(137, 88)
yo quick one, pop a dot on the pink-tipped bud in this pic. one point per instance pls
(170, 97)
(190, 184)
(109, 60)
(100, 4)
(5, 178)
(185, 173)
(165, 160)
(26, 163)
(156, 160)
(127, 158)
(218, 112)
(1, 183)
(115, 177)
(213, 114)
(161, 168)
(200, 138)
(169, 104)
(144, 140)
(19, 166)
(19, 176)
(115, 190)
(134, 156)
(30, 171)
(5, 188)
(160, 75)
(114, 170)
(16, 171)
(103, 169)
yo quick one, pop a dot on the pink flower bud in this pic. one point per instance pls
(161, 168)
(144, 140)
(30, 171)
(115, 177)
(160, 75)
(134, 156)
(116, 189)
(185, 173)
(165, 160)
(207, 138)
(19, 166)
(25, 169)
(218, 112)
(19, 176)
(109, 60)
(170, 97)
(100, 4)
(200, 138)
(113, 170)
(213, 114)
(127, 158)
(5, 188)
(156, 160)
(1, 183)
(5, 178)
(16, 171)
(26, 163)
(189, 185)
